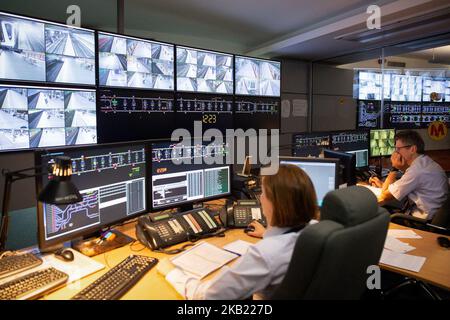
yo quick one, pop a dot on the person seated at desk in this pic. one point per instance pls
(424, 182)
(289, 203)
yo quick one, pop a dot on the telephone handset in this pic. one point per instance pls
(241, 214)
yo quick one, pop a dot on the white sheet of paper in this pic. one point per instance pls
(299, 108)
(285, 108)
(403, 234)
(202, 259)
(239, 246)
(401, 260)
(393, 244)
(376, 191)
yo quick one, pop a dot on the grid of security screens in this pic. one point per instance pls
(135, 63)
(204, 71)
(34, 50)
(257, 77)
(33, 117)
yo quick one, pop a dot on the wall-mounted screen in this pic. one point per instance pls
(257, 77)
(370, 85)
(382, 142)
(36, 50)
(434, 90)
(135, 63)
(33, 117)
(204, 71)
(406, 88)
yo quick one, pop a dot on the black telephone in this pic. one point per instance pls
(241, 214)
(162, 230)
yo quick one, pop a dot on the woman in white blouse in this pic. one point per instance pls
(289, 203)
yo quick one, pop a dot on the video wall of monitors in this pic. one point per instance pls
(406, 88)
(129, 115)
(34, 117)
(135, 63)
(204, 71)
(256, 77)
(36, 50)
(370, 86)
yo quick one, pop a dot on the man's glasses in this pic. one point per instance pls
(398, 148)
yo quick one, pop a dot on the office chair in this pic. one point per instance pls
(440, 223)
(330, 258)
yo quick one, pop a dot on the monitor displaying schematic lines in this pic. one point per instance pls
(188, 173)
(111, 180)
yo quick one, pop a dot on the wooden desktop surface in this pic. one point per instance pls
(436, 269)
(153, 286)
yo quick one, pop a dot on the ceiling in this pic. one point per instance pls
(300, 29)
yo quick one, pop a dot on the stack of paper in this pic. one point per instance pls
(202, 259)
(395, 245)
(403, 261)
(403, 234)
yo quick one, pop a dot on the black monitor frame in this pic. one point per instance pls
(50, 244)
(185, 205)
(348, 162)
(24, 82)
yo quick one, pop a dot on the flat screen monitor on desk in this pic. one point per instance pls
(356, 142)
(382, 142)
(322, 172)
(347, 165)
(174, 183)
(112, 181)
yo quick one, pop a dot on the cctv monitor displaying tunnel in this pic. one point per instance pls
(135, 63)
(37, 50)
(257, 77)
(382, 142)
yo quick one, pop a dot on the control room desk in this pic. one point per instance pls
(153, 285)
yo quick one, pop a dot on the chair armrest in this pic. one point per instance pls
(401, 217)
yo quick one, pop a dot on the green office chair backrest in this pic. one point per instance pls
(331, 258)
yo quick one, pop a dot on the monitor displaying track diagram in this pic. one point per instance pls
(257, 77)
(310, 144)
(37, 50)
(135, 63)
(36, 117)
(204, 71)
(188, 173)
(111, 180)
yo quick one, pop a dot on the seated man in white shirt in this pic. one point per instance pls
(424, 183)
(289, 203)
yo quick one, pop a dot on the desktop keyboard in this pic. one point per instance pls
(33, 285)
(10, 265)
(117, 281)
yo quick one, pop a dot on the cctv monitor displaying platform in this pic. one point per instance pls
(382, 142)
(310, 144)
(434, 90)
(322, 172)
(37, 50)
(370, 85)
(112, 182)
(129, 115)
(204, 71)
(188, 173)
(36, 117)
(135, 63)
(257, 77)
(356, 142)
(406, 88)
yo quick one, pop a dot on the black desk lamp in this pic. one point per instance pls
(59, 190)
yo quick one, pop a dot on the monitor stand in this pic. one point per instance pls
(92, 246)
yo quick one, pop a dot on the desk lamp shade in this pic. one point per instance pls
(60, 190)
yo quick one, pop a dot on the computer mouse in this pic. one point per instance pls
(443, 242)
(64, 255)
(249, 229)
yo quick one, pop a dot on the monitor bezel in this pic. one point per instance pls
(49, 83)
(114, 34)
(317, 160)
(349, 157)
(152, 208)
(52, 243)
(65, 88)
